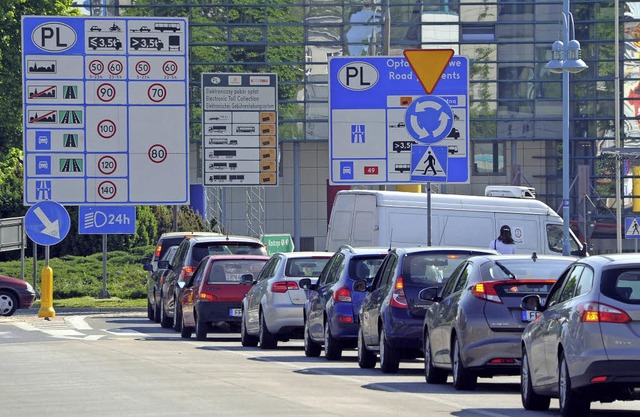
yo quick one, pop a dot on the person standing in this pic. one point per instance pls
(504, 243)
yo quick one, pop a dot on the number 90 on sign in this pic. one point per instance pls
(157, 153)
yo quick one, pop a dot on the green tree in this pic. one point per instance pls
(11, 180)
(11, 12)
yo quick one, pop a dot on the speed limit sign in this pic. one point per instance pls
(157, 153)
(106, 92)
(157, 92)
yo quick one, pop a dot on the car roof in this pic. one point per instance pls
(363, 250)
(304, 254)
(613, 259)
(528, 256)
(225, 238)
(445, 249)
(183, 234)
(216, 258)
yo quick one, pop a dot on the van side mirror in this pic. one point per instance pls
(147, 267)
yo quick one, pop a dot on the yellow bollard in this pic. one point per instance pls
(46, 297)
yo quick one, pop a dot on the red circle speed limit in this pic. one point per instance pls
(115, 67)
(157, 92)
(107, 165)
(157, 153)
(106, 128)
(106, 92)
(143, 68)
(170, 68)
(107, 190)
(96, 67)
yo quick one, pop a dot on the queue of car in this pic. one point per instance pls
(569, 327)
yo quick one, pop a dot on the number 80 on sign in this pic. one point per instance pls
(157, 153)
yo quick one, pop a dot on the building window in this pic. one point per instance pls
(488, 158)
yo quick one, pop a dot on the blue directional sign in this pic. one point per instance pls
(428, 163)
(631, 228)
(380, 112)
(106, 220)
(47, 223)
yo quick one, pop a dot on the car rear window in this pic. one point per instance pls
(524, 268)
(305, 267)
(365, 267)
(424, 268)
(231, 270)
(200, 250)
(165, 243)
(621, 284)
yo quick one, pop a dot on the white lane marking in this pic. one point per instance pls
(78, 322)
(125, 332)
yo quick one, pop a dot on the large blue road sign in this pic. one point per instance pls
(47, 223)
(379, 111)
(107, 220)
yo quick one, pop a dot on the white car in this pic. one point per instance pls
(272, 310)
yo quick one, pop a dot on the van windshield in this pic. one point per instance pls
(555, 233)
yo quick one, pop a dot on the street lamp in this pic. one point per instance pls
(566, 59)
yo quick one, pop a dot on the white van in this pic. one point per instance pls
(394, 218)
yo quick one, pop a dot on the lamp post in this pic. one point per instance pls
(566, 59)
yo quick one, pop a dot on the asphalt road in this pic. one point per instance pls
(118, 363)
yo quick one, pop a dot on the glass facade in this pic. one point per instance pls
(515, 106)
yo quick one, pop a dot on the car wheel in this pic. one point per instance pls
(432, 374)
(8, 303)
(463, 379)
(245, 338)
(332, 347)
(530, 400)
(185, 331)
(165, 321)
(201, 329)
(177, 316)
(389, 361)
(267, 340)
(156, 313)
(311, 349)
(366, 358)
(571, 402)
(150, 314)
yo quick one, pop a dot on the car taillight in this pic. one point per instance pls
(208, 297)
(284, 286)
(158, 250)
(593, 312)
(342, 294)
(186, 273)
(486, 291)
(397, 296)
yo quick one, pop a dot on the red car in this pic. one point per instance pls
(14, 294)
(213, 295)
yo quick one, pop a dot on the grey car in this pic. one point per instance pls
(585, 344)
(474, 325)
(272, 310)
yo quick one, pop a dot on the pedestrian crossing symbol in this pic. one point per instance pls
(428, 163)
(632, 228)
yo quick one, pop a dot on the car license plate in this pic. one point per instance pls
(235, 312)
(529, 315)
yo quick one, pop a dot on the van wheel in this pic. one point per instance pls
(332, 347)
(389, 360)
(432, 374)
(311, 349)
(571, 402)
(366, 358)
(267, 340)
(530, 400)
(463, 379)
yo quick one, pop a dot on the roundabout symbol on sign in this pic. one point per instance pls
(429, 119)
(106, 128)
(170, 68)
(157, 153)
(143, 68)
(157, 92)
(115, 67)
(107, 165)
(107, 190)
(106, 92)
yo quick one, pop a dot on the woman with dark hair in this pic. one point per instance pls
(504, 244)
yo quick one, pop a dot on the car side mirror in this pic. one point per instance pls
(246, 278)
(164, 265)
(145, 261)
(305, 284)
(429, 294)
(147, 267)
(531, 303)
(360, 286)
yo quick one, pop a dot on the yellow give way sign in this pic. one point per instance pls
(429, 65)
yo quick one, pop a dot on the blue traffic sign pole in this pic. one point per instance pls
(47, 223)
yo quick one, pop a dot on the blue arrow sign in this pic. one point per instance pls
(47, 223)
(115, 220)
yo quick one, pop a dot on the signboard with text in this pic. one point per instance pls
(105, 110)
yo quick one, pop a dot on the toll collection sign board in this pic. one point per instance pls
(391, 125)
(105, 110)
(240, 129)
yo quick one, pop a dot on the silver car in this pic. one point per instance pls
(585, 344)
(272, 310)
(474, 326)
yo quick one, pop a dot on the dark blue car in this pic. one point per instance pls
(331, 310)
(391, 314)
